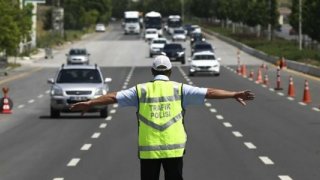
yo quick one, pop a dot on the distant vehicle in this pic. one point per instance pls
(204, 62)
(173, 22)
(78, 56)
(131, 22)
(188, 28)
(201, 46)
(175, 52)
(151, 34)
(100, 28)
(179, 34)
(196, 29)
(74, 84)
(196, 37)
(156, 46)
(153, 20)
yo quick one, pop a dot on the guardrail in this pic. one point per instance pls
(301, 67)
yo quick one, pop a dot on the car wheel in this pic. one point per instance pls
(217, 74)
(150, 55)
(183, 61)
(54, 113)
(191, 74)
(104, 113)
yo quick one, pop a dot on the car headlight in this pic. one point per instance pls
(180, 54)
(100, 92)
(56, 91)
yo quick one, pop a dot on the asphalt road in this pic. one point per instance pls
(270, 138)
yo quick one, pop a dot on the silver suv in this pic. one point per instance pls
(78, 56)
(76, 83)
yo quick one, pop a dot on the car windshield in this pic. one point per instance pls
(173, 47)
(203, 46)
(179, 31)
(78, 52)
(204, 57)
(79, 76)
(151, 32)
(159, 42)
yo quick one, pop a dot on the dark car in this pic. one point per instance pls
(196, 37)
(201, 46)
(175, 52)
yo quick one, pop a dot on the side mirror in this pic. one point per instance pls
(107, 80)
(189, 59)
(50, 81)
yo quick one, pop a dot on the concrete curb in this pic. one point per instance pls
(297, 66)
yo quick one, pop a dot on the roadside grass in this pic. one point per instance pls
(48, 39)
(277, 47)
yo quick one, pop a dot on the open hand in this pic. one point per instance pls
(243, 96)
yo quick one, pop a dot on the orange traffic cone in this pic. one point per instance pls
(259, 77)
(306, 93)
(6, 108)
(239, 69)
(278, 80)
(291, 91)
(244, 70)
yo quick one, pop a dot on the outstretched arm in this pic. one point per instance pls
(109, 98)
(240, 96)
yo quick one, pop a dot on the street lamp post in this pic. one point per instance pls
(300, 25)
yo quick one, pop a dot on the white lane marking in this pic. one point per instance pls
(191, 83)
(48, 91)
(302, 103)
(103, 125)
(124, 87)
(58, 178)
(21, 106)
(237, 134)
(316, 109)
(227, 124)
(73, 162)
(285, 177)
(40, 96)
(266, 160)
(95, 135)
(271, 89)
(115, 105)
(86, 147)
(219, 117)
(31, 101)
(280, 94)
(213, 110)
(113, 111)
(108, 118)
(250, 145)
(290, 98)
(263, 85)
(125, 83)
(208, 104)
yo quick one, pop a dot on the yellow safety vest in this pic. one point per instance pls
(160, 115)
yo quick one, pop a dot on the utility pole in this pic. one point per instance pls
(269, 25)
(182, 10)
(300, 25)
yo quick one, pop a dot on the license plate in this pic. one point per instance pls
(78, 98)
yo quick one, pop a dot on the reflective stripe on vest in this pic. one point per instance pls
(160, 115)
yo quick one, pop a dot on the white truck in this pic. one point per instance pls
(153, 20)
(131, 22)
(174, 22)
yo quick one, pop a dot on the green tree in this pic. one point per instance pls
(311, 21)
(294, 16)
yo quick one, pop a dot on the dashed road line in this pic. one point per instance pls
(115, 105)
(266, 160)
(40, 96)
(280, 94)
(58, 178)
(21, 106)
(73, 162)
(250, 145)
(86, 147)
(290, 98)
(113, 111)
(302, 103)
(31, 101)
(48, 91)
(95, 135)
(227, 124)
(103, 125)
(208, 104)
(219, 117)
(285, 177)
(237, 134)
(213, 110)
(316, 109)
(108, 118)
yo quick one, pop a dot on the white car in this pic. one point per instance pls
(100, 28)
(156, 46)
(179, 34)
(151, 34)
(204, 62)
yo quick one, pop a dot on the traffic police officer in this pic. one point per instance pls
(161, 104)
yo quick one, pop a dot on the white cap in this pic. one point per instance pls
(161, 63)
